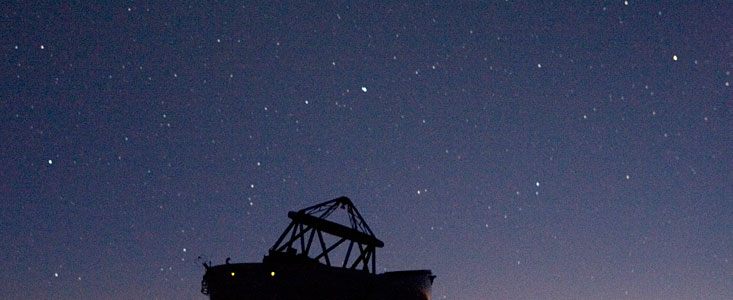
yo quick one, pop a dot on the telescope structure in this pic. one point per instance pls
(318, 258)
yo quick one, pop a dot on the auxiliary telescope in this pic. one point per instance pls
(298, 266)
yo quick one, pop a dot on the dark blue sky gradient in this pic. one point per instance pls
(520, 150)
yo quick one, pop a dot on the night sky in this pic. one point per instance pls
(518, 149)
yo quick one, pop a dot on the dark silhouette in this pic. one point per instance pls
(295, 268)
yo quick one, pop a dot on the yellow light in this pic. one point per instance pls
(272, 274)
(674, 57)
(232, 274)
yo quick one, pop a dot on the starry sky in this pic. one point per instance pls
(518, 149)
